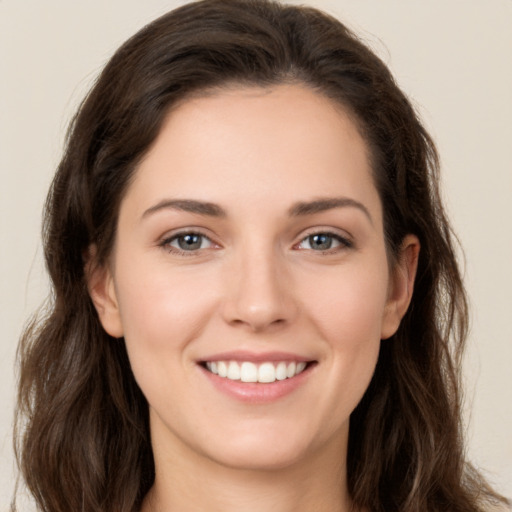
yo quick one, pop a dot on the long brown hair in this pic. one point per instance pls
(83, 435)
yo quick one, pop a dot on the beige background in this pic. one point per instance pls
(453, 57)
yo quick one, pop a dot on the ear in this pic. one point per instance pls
(401, 285)
(100, 283)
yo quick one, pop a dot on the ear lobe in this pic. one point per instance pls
(401, 286)
(100, 283)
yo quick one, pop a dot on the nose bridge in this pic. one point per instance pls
(260, 292)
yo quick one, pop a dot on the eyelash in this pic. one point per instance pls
(166, 243)
(344, 243)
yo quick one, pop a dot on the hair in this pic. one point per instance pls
(82, 437)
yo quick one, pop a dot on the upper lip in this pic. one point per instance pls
(256, 357)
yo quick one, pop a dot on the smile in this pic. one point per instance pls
(247, 371)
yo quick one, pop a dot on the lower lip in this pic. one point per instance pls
(256, 392)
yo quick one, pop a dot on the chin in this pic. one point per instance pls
(265, 456)
(272, 449)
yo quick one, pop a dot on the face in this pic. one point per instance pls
(249, 278)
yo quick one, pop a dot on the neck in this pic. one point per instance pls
(186, 484)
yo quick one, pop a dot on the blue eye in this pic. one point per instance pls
(323, 242)
(188, 242)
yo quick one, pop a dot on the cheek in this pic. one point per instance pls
(348, 312)
(348, 306)
(161, 312)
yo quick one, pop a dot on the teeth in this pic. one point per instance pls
(266, 373)
(233, 371)
(281, 371)
(250, 372)
(222, 368)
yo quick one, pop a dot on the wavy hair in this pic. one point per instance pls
(82, 437)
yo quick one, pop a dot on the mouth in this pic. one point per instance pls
(265, 372)
(257, 378)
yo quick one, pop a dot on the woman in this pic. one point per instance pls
(256, 298)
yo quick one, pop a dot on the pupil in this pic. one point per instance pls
(189, 242)
(320, 241)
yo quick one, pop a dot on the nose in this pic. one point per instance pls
(259, 292)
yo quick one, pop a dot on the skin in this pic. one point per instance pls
(256, 283)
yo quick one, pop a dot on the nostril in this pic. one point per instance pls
(259, 299)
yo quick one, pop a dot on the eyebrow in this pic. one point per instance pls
(322, 205)
(187, 205)
(299, 209)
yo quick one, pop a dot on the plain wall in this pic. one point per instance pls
(453, 58)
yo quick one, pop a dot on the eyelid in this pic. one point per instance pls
(346, 240)
(165, 241)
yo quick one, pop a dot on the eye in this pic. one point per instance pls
(187, 242)
(323, 242)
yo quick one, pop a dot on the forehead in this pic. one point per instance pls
(261, 144)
